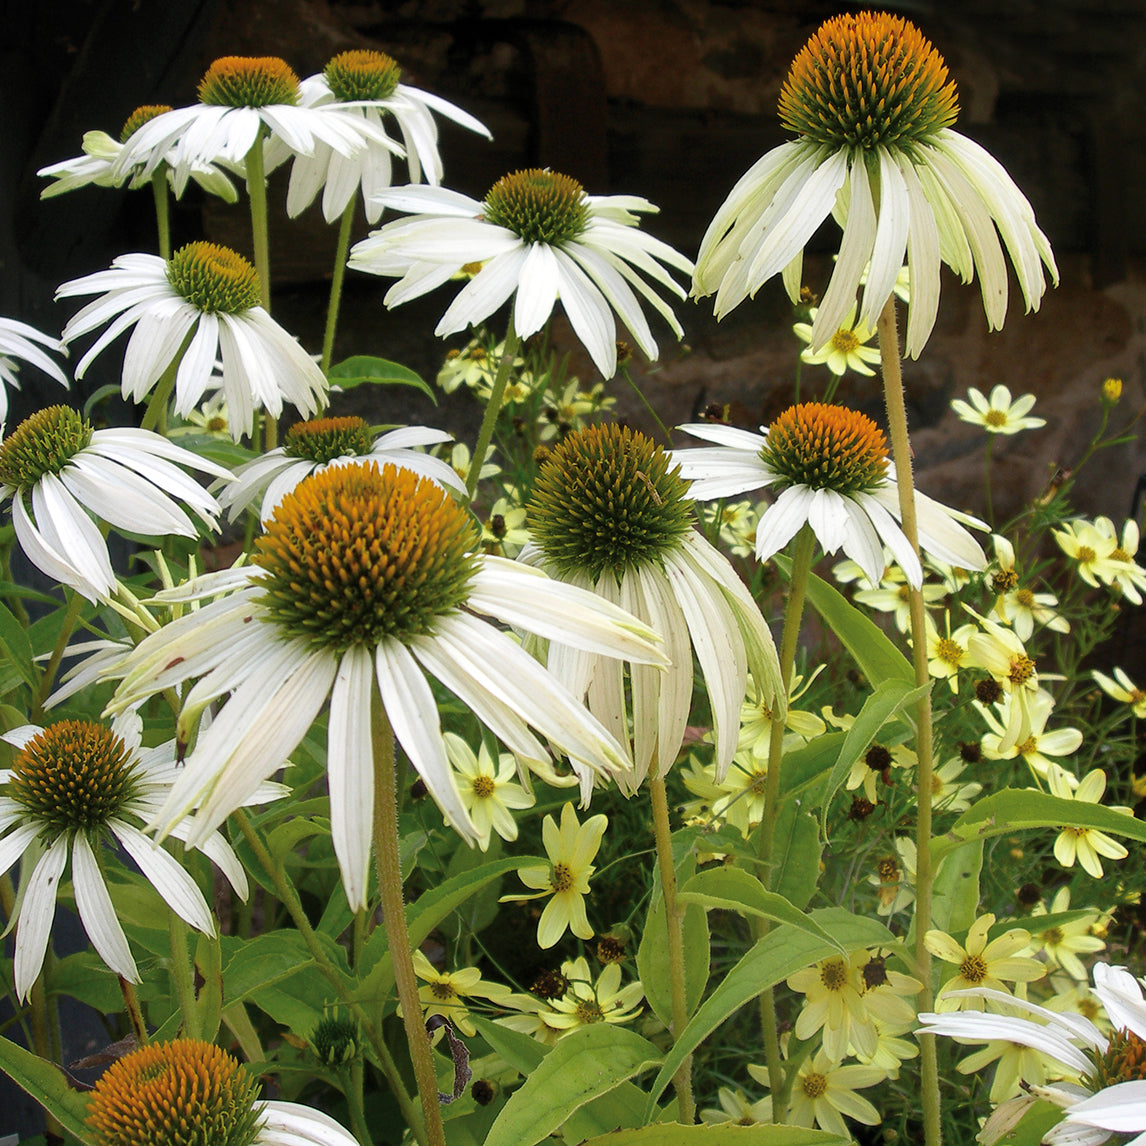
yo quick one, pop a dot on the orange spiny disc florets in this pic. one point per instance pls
(249, 81)
(827, 447)
(180, 1093)
(356, 554)
(865, 81)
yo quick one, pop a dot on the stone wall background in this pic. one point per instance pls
(671, 99)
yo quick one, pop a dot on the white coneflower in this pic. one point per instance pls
(389, 593)
(200, 305)
(539, 239)
(58, 472)
(870, 103)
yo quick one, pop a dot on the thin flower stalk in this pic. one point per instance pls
(888, 338)
(288, 897)
(334, 303)
(162, 211)
(389, 868)
(674, 923)
(493, 408)
(802, 555)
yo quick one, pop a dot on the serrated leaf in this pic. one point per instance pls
(362, 368)
(780, 953)
(876, 656)
(733, 889)
(586, 1063)
(1016, 810)
(720, 1134)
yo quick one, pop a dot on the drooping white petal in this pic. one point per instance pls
(37, 910)
(350, 771)
(96, 911)
(180, 892)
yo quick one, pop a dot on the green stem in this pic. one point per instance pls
(647, 404)
(674, 923)
(288, 896)
(257, 194)
(155, 416)
(334, 303)
(802, 555)
(987, 481)
(183, 976)
(162, 210)
(47, 679)
(394, 912)
(134, 1013)
(352, 1078)
(489, 420)
(888, 338)
(42, 1043)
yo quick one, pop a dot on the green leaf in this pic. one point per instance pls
(1017, 810)
(796, 851)
(252, 964)
(780, 953)
(734, 889)
(14, 641)
(877, 657)
(47, 1084)
(889, 697)
(1034, 1125)
(522, 1053)
(362, 368)
(721, 1134)
(653, 953)
(955, 894)
(586, 1063)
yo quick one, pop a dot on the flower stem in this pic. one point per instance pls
(352, 1078)
(183, 975)
(131, 1005)
(335, 301)
(162, 210)
(257, 194)
(394, 913)
(287, 895)
(42, 1042)
(803, 552)
(674, 923)
(485, 434)
(987, 481)
(888, 338)
(624, 370)
(67, 627)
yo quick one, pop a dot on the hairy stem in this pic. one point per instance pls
(888, 337)
(394, 919)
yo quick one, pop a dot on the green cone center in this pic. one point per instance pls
(75, 775)
(214, 278)
(42, 444)
(606, 500)
(539, 205)
(324, 439)
(249, 81)
(362, 75)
